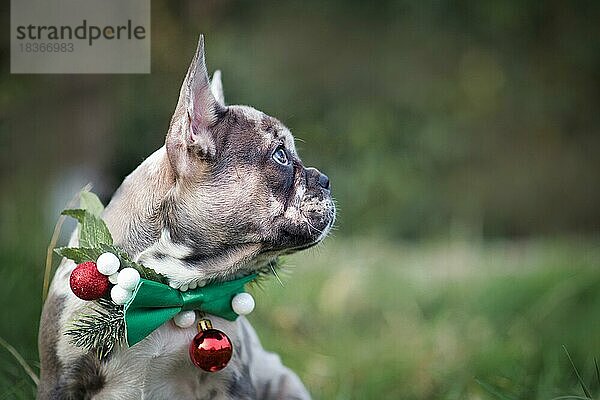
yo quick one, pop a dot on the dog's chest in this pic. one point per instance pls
(159, 368)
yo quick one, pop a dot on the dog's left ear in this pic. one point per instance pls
(190, 136)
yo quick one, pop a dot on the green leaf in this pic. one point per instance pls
(79, 254)
(78, 214)
(146, 273)
(126, 262)
(93, 231)
(90, 202)
(83, 254)
(95, 239)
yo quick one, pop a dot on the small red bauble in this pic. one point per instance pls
(210, 349)
(87, 283)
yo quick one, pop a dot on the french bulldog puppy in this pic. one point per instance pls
(224, 196)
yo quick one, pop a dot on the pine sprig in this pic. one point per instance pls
(100, 330)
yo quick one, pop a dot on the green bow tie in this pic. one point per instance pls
(154, 303)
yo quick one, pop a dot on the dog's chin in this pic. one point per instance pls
(315, 237)
(307, 233)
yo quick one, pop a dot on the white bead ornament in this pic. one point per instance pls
(128, 278)
(243, 303)
(113, 278)
(185, 319)
(108, 264)
(119, 295)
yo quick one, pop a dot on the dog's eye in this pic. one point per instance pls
(280, 156)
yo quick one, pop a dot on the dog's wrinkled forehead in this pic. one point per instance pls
(250, 126)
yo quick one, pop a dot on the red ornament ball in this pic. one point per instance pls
(211, 350)
(87, 283)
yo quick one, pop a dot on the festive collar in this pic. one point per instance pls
(130, 301)
(154, 303)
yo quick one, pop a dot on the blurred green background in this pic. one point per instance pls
(462, 139)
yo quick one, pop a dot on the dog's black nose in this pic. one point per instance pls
(323, 181)
(315, 177)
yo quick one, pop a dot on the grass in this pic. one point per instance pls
(361, 318)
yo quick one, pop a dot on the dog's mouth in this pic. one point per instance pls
(312, 224)
(293, 240)
(312, 231)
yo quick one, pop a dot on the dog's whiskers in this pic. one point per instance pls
(308, 225)
(312, 226)
(276, 274)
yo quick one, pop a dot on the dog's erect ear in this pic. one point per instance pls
(197, 111)
(216, 87)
